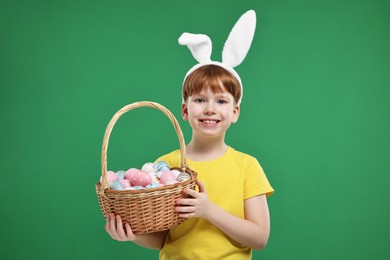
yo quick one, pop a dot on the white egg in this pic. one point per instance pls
(148, 167)
(176, 172)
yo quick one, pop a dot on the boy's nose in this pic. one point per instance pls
(209, 109)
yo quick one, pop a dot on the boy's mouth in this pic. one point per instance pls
(209, 121)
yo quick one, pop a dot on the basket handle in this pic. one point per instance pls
(127, 108)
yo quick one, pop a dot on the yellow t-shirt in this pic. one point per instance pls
(229, 180)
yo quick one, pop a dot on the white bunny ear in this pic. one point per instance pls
(199, 45)
(239, 41)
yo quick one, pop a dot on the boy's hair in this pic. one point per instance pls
(214, 77)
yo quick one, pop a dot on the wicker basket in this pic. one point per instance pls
(148, 210)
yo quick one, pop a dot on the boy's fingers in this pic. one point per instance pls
(201, 186)
(185, 202)
(129, 232)
(192, 193)
(185, 209)
(107, 226)
(186, 215)
(119, 228)
(113, 232)
(112, 221)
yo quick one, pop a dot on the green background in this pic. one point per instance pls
(315, 113)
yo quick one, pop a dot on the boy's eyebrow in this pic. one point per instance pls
(224, 95)
(218, 95)
(197, 95)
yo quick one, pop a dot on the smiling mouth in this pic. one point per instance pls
(209, 121)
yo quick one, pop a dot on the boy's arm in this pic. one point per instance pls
(115, 229)
(253, 231)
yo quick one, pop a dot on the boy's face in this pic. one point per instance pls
(210, 114)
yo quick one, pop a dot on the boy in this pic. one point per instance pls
(229, 215)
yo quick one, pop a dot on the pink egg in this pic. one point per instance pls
(111, 176)
(130, 172)
(166, 177)
(140, 179)
(125, 182)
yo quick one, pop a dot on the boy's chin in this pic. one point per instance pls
(211, 134)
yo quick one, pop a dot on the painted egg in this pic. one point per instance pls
(176, 172)
(116, 185)
(125, 182)
(111, 176)
(152, 185)
(171, 182)
(158, 174)
(167, 176)
(153, 176)
(141, 179)
(183, 176)
(120, 174)
(162, 166)
(155, 185)
(148, 167)
(130, 173)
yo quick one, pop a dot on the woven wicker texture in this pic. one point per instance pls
(148, 210)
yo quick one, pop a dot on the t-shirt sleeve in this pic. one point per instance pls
(173, 159)
(256, 182)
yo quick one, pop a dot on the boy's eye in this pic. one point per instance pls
(199, 100)
(221, 101)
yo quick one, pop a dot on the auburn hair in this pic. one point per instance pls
(214, 77)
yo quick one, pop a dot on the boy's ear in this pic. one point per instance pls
(236, 114)
(184, 112)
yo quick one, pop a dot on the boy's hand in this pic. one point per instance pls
(197, 206)
(114, 227)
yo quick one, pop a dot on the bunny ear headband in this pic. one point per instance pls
(234, 51)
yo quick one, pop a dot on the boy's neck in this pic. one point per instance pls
(201, 149)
